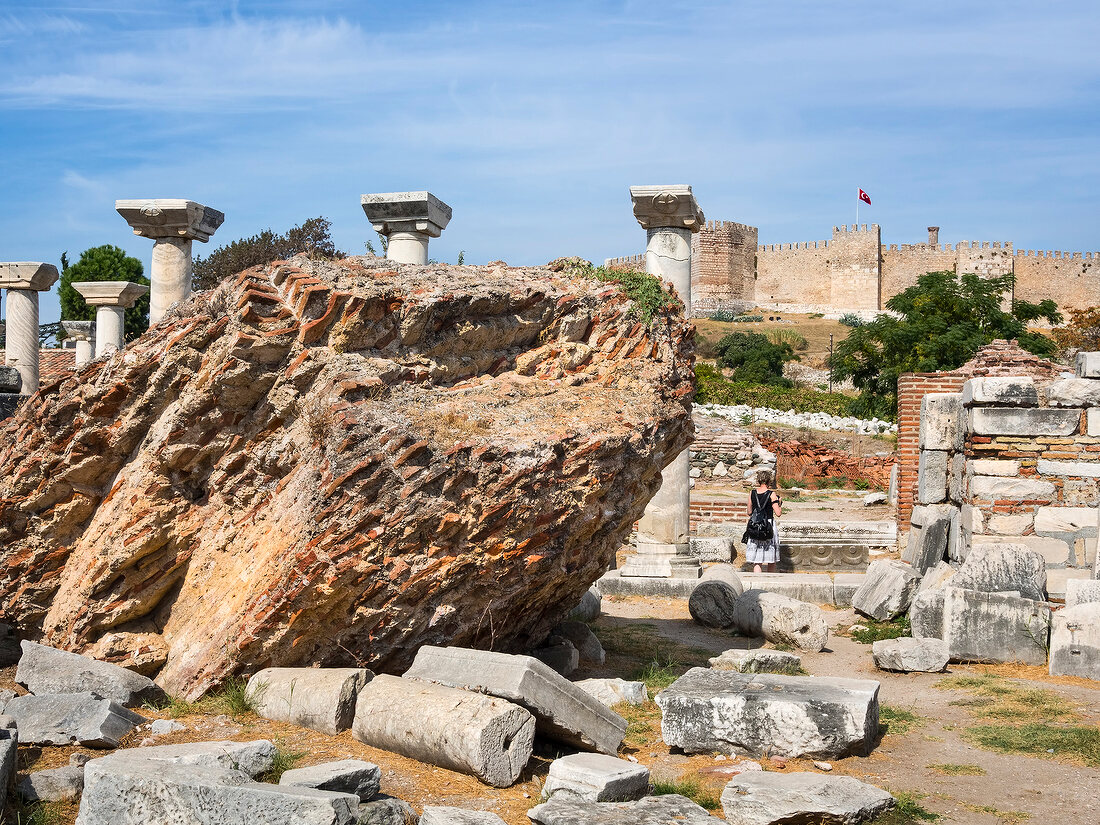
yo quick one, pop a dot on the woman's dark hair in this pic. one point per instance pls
(765, 477)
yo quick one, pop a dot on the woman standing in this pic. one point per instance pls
(764, 499)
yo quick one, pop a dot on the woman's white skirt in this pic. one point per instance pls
(764, 552)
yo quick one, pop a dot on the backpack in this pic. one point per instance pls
(759, 527)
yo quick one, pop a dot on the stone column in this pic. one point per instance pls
(83, 333)
(23, 281)
(669, 214)
(407, 220)
(172, 224)
(111, 300)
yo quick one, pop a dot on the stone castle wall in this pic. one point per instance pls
(855, 272)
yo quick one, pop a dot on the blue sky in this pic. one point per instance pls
(532, 119)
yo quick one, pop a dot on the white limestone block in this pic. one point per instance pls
(767, 798)
(595, 777)
(910, 655)
(999, 488)
(932, 477)
(996, 567)
(1074, 392)
(989, 627)
(1088, 365)
(1092, 422)
(994, 467)
(1007, 391)
(1055, 551)
(320, 698)
(612, 691)
(887, 591)
(1082, 591)
(1080, 469)
(1009, 524)
(1075, 641)
(942, 425)
(1055, 520)
(1029, 422)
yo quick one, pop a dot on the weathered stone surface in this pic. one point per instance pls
(584, 640)
(444, 815)
(1080, 469)
(1008, 421)
(926, 614)
(143, 653)
(995, 467)
(887, 591)
(612, 691)
(941, 421)
(933, 531)
(468, 732)
(759, 660)
(1087, 365)
(9, 746)
(318, 698)
(55, 785)
(932, 476)
(1074, 392)
(711, 602)
(588, 608)
(1075, 641)
(780, 620)
(354, 776)
(713, 710)
(564, 711)
(989, 627)
(250, 758)
(559, 654)
(758, 798)
(1005, 391)
(315, 439)
(712, 548)
(10, 379)
(937, 576)
(997, 488)
(1082, 591)
(595, 777)
(651, 810)
(386, 810)
(127, 789)
(996, 567)
(1065, 520)
(1055, 551)
(910, 655)
(162, 727)
(71, 719)
(45, 670)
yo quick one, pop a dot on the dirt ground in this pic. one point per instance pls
(807, 504)
(641, 633)
(816, 331)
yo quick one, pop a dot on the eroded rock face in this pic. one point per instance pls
(334, 463)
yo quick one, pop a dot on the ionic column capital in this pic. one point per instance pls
(666, 206)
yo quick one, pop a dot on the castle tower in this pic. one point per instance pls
(933, 236)
(855, 267)
(723, 266)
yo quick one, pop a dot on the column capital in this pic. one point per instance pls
(420, 212)
(674, 206)
(79, 330)
(30, 275)
(163, 218)
(110, 293)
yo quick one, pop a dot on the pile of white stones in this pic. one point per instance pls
(814, 421)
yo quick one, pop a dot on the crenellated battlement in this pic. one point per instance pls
(855, 227)
(1080, 256)
(726, 226)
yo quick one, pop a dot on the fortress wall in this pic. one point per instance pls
(723, 258)
(855, 267)
(793, 274)
(989, 260)
(902, 266)
(1072, 280)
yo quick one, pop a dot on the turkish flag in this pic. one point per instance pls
(863, 196)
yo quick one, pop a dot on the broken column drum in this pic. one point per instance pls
(172, 224)
(669, 214)
(23, 281)
(111, 300)
(407, 220)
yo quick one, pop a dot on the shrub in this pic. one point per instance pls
(850, 319)
(754, 358)
(311, 237)
(711, 387)
(103, 263)
(788, 336)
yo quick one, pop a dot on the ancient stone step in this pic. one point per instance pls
(319, 698)
(595, 777)
(45, 669)
(71, 719)
(711, 710)
(762, 798)
(468, 732)
(563, 711)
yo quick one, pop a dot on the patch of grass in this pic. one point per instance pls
(39, 813)
(282, 762)
(651, 297)
(949, 769)
(897, 720)
(691, 787)
(711, 387)
(908, 811)
(876, 631)
(1007, 817)
(657, 675)
(1076, 743)
(232, 698)
(643, 724)
(656, 661)
(173, 706)
(797, 341)
(783, 647)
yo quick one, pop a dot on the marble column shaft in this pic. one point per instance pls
(169, 276)
(110, 329)
(21, 347)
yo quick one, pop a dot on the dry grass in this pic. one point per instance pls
(816, 331)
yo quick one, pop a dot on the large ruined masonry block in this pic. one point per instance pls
(45, 670)
(711, 710)
(564, 711)
(318, 698)
(330, 464)
(71, 719)
(887, 591)
(765, 798)
(1075, 641)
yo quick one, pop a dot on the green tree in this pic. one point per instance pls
(755, 359)
(103, 263)
(940, 323)
(312, 237)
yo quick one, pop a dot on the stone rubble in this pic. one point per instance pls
(814, 421)
(354, 776)
(9, 750)
(580, 635)
(444, 815)
(319, 698)
(758, 661)
(780, 620)
(788, 716)
(588, 608)
(887, 591)
(595, 777)
(774, 798)
(46, 670)
(910, 655)
(996, 568)
(54, 785)
(650, 810)
(71, 719)
(612, 691)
